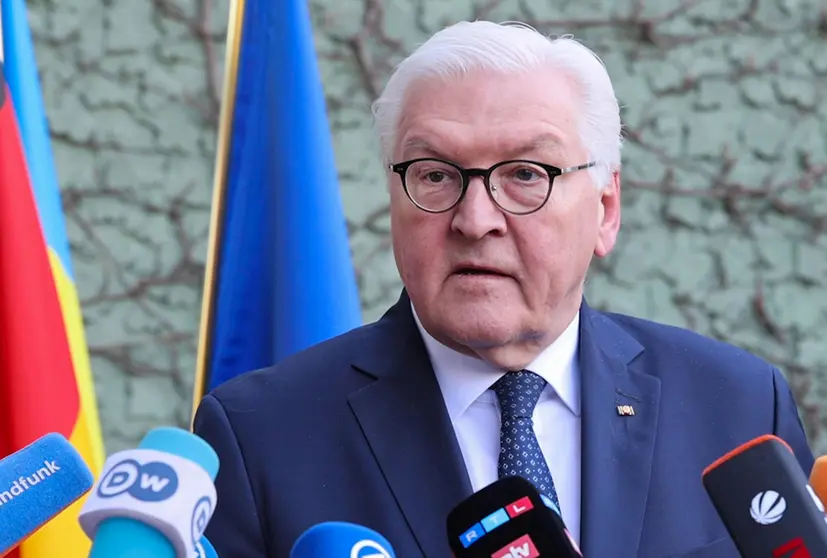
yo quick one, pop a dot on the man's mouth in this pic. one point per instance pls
(469, 271)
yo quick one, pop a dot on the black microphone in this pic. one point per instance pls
(509, 519)
(765, 501)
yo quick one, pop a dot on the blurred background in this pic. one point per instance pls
(725, 195)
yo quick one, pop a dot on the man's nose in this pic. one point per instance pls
(477, 215)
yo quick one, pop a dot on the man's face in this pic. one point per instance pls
(538, 261)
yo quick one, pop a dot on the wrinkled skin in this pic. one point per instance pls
(538, 261)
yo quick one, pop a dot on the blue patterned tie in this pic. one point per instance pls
(520, 453)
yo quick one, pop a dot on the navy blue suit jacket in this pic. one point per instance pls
(355, 429)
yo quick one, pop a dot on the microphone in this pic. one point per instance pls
(154, 501)
(205, 549)
(765, 502)
(509, 518)
(339, 539)
(37, 483)
(818, 479)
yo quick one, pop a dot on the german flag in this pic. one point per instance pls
(45, 378)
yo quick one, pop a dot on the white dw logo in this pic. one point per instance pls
(371, 549)
(767, 507)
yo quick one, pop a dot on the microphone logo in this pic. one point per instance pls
(767, 507)
(151, 482)
(373, 550)
(519, 548)
(201, 515)
(792, 549)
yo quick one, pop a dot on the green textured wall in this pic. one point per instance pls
(724, 190)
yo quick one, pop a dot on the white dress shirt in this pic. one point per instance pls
(465, 382)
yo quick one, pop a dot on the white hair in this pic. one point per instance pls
(509, 48)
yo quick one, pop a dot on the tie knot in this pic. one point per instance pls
(518, 393)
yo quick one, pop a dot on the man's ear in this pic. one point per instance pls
(609, 215)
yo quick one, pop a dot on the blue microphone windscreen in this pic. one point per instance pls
(207, 550)
(338, 539)
(183, 444)
(37, 483)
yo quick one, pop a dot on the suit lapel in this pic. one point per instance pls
(617, 445)
(403, 417)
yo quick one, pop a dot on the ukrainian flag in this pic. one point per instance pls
(45, 378)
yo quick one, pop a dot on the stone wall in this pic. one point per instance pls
(724, 190)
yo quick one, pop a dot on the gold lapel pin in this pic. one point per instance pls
(625, 410)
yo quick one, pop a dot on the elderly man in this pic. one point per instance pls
(503, 156)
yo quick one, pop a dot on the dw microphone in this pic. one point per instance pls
(339, 539)
(205, 549)
(509, 519)
(37, 483)
(154, 501)
(765, 501)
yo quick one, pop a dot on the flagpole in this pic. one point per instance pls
(222, 158)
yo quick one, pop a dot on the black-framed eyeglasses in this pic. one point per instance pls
(519, 187)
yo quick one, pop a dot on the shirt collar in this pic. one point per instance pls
(463, 378)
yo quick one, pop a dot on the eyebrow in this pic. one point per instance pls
(538, 143)
(420, 144)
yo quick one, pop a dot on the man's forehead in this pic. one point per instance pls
(434, 142)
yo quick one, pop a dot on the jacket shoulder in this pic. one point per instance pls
(299, 376)
(664, 342)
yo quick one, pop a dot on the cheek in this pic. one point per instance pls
(576, 218)
(418, 244)
(558, 251)
(546, 261)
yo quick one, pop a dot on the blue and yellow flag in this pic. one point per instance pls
(279, 271)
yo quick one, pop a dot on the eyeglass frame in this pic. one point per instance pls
(553, 172)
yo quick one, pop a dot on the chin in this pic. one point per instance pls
(477, 326)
